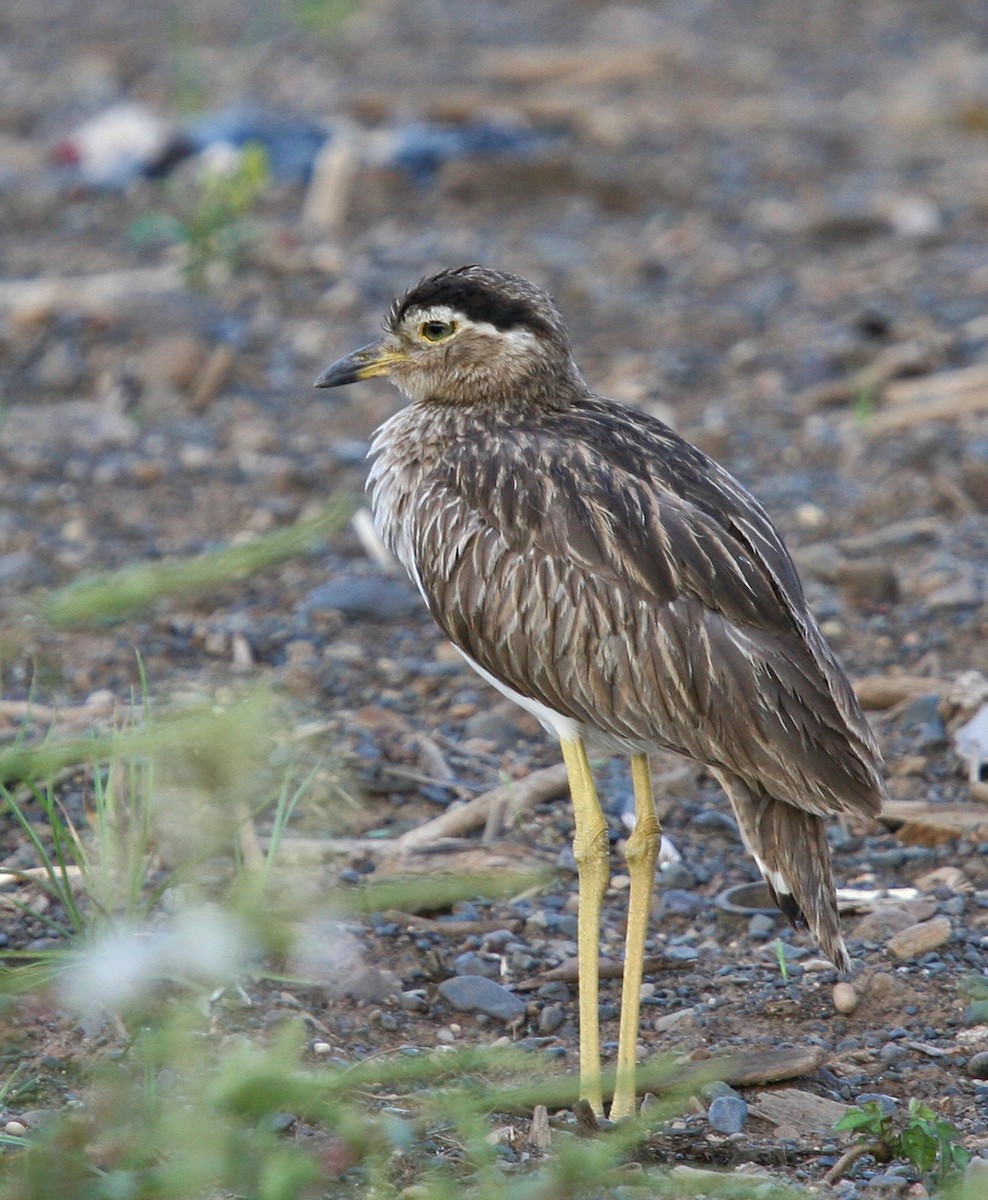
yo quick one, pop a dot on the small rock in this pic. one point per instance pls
(975, 1185)
(550, 1018)
(920, 939)
(727, 1114)
(497, 723)
(18, 568)
(371, 985)
(683, 1018)
(414, 1001)
(868, 583)
(472, 963)
(845, 998)
(15, 1128)
(61, 368)
(887, 1104)
(977, 1065)
(680, 903)
(175, 359)
(891, 1054)
(761, 925)
(476, 993)
(357, 597)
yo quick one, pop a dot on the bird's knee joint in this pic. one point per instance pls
(590, 848)
(644, 843)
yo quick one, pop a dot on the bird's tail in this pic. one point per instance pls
(791, 849)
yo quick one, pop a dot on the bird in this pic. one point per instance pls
(625, 589)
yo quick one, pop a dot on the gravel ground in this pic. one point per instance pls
(766, 223)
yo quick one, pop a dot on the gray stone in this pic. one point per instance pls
(887, 1104)
(371, 985)
(472, 963)
(475, 993)
(761, 925)
(727, 1114)
(18, 568)
(357, 597)
(891, 1054)
(977, 1065)
(550, 1018)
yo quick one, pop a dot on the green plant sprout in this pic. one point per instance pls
(919, 1136)
(211, 218)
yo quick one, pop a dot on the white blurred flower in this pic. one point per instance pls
(122, 964)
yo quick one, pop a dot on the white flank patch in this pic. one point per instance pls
(565, 728)
(774, 878)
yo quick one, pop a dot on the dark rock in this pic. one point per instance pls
(370, 985)
(472, 963)
(868, 583)
(887, 1104)
(18, 568)
(891, 1054)
(360, 597)
(680, 903)
(727, 1114)
(476, 993)
(977, 1065)
(550, 1018)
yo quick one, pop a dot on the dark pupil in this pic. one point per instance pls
(435, 329)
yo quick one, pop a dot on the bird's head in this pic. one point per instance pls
(469, 335)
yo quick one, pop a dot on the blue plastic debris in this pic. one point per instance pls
(128, 142)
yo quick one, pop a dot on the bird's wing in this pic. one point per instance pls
(646, 596)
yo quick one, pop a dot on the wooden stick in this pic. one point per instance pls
(536, 788)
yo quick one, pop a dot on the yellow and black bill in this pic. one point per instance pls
(364, 363)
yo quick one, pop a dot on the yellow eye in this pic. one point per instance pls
(435, 331)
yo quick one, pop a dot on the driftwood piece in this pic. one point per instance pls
(568, 971)
(770, 1066)
(38, 298)
(941, 397)
(449, 928)
(542, 785)
(885, 691)
(69, 872)
(932, 824)
(539, 1136)
(804, 1112)
(212, 377)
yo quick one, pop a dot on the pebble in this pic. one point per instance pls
(414, 1001)
(472, 963)
(476, 993)
(374, 597)
(891, 1054)
(845, 998)
(370, 985)
(15, 1128)
(917, 940)
(761, 925)
(18, 568)
(977, 1065)
(550, 1018)
(727, 1114)
(680, 903)
(868, 583)
(887, 1104)
(683, 1018)
(975, 1183)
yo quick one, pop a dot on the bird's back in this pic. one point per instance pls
(588, 558)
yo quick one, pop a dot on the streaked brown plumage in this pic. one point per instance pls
(610, 576)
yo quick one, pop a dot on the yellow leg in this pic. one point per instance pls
(590, 851)
(642, 853)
